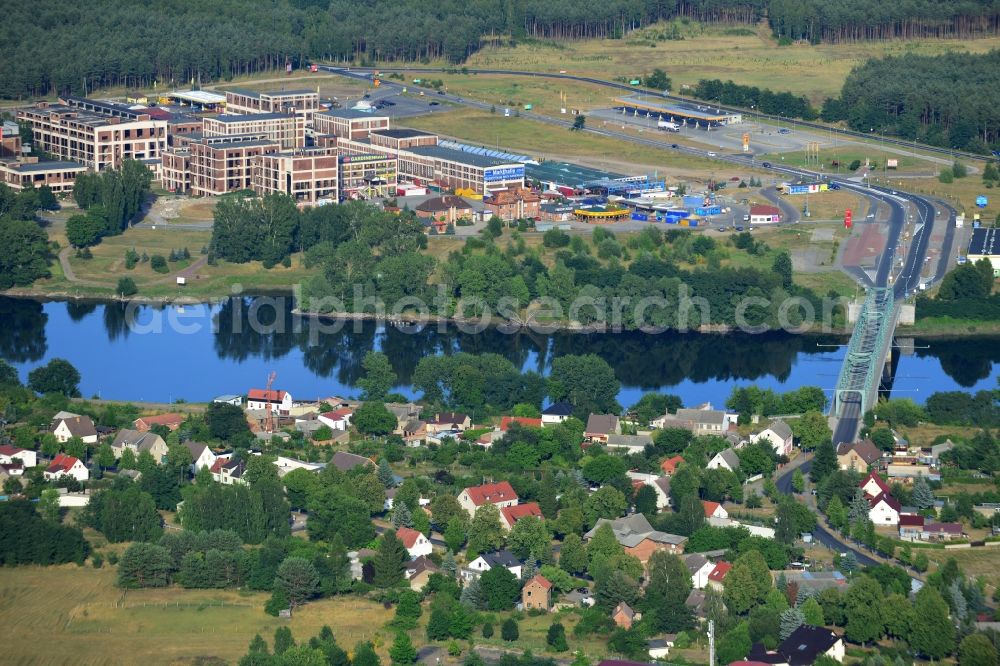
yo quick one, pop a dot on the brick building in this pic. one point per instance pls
(287, 130)
(214, 165)
(303, 103)
(348, 123)
(514, 204)
(309, 175)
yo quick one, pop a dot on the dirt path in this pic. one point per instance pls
(71, 276)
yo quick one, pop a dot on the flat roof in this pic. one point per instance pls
(197, 96)
(402, 133)
(241, 144)
(44, 166)
(244, 117)
(699, 112)
(270, 93)
(985, 242)
(565, 173)
(461, 157)
(351, 114)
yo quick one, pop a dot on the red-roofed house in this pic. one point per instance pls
(765, 215)
(942, 531)
(537, 594)
(415, 542)
(910, 526)
(64, 465)
(511, 514)
(718, 575)
(501, 494)
(11, 454)
(338, 419)
(714, 510)
(171, 421)
(523, 421)
(884, 509)
(277, 401)
(669, 466)
(873, 485)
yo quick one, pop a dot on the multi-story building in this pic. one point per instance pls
(98, 134)
(348, 123)
(303, 103)
(455, 169)
(401, 139)
(288, 130)
(10, 140)
(367, 176)
(29, 172)
(309, 176)
(214, 165)
(514, 204)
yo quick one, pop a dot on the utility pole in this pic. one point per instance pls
(711, 643)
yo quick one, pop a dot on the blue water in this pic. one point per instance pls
(147, 358)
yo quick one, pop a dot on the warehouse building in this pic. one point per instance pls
(97, 134)
(348, 123)
(309, 176)
(287, 130)
(985, 244)
(303, 103)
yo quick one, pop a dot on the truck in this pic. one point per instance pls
(668, 126)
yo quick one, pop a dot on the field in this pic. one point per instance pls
(72, 615)
(974, 561)
(844, 155)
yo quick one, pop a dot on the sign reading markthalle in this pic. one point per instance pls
(493, 175)
(981, 201)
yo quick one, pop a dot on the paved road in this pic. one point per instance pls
(789, 213)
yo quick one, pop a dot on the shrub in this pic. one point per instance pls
(126, 287)
(158, 263)
(508, 630)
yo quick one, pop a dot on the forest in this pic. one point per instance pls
(61, 47)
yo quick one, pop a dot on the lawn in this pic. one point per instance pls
(73, 615)
(974, 561)
(844, 155)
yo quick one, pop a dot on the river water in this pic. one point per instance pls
(201, 351)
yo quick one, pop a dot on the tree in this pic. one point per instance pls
(24, 253)
(225, 421)
(615, 588)
(657, 80)
(500, 588)
(667, 592)
(862, 606)
(556, 637)
(389, 559)
(144, 565)
(402, 651)
(605, 502)
(579, 122)
(836, 513)
(386, 476)
(379, 376)
(365, 655)
(977, 650)
(798, 481)
(922, 495)
(587, 382)
(454, 534)
(824, 462)
(408, 610)
(740, 589)
(691, 515)
(283, 640)
(85, 230)
(298, 579)
(57, 376)
(791, 619)
(782, 267)
(485, 531)
(573, 555)
(372, 418)
(331, 513)
(529, 539)
(932, 633)
(508, 630)
(812, 613)
(47, 200)
(48, 505)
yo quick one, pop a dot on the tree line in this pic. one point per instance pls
(111, 199)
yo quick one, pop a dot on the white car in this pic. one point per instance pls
(712, 155)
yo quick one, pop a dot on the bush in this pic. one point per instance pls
(508, 630)
(554, 238)
(126, 287)
(958, 170)
(158, 263)
(97, 560)
(946, 176)
(854, 166)
(488, 630)
(131, 259)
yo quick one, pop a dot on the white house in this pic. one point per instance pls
(73, 425)
(873, 485)
(659, 484)
(277, 401)
(286, 465)
(486, 561)
(338, 419)
(64, 465)
(201, 456)
(884, 510)
(556, 413)
(235, 400)
(779, 435)
(415, 542)
(715, 510)
(500, 494)
(725, 459)
(699, 567)
(11, 454)
(138, 442)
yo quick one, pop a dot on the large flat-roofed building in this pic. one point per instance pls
(304, 103)
(348, 123)
(288, 130)
(214, 165)
(29, 172)
(985, 244)
(97, 134)
(309, 176)
(367, 176)
(402, 138)
(684, 113)
(460, 170)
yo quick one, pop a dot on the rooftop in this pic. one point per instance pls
(352, 114)
(44, 166)
(197, 96)
(401, 133)
(695, 111)
(452, 155)
(248, 117)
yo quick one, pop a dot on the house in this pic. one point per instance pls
(513, 204)
(779, 435)
(659, 648)
(414, 432)
(807, 644)
(859, 455)
(137, 442)
(338, 419)
(228, 471)
(639, 538)
(659, 484)
(439, 212)
(599, 426)
(911, 527)
(624, 616)
(10, 454)
(170, 421)
(698, 421)
(67, 426)
(500, 494)
(669, 466)
(448, 421)
(873, 485)
(486, 561)
(696, 602)
(201, 456)
(765, 215)
(715, 510)
(523, 421)
(229, 399)
(345, 461)
(286, 465)
(557, 412)
(404, 412)
(279, 402)
(699, 567)
(884, 509)
(813, 581)
(942, 531)
(725, 459)
(631, 443)
(11, 470)
(418, 572)
(537, 594)
(64, 465)
(511, 514)
(415, 542)
(717, 576)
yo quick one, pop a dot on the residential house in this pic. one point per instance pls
(64, 465)
(631, 443)
(911, 527)
(659, 484)
(639, 538)
(486, 561)
(624, 616)
(286, 465)
(699, 567)
(659, 648)
(942, 531)
(228, 471)
(415, 542)
(725, 459)
(404, 412)
(345, 461)
(448, 421)
(779, 435)
(669, 466)
(439, 212)
(11, 470)
(599, 426)
(137, 442)
(696, 603)
(717, 576)
(884, 509)
(556, 413)
(511, 514)
(813, 581)
(229, 399)
(279, 402)
(803, 647)
(859, 455)
(201, 456)
(513, 204)
(414, 432)
(73, 425)
(338, 419)
(500, 494)
(537, 594)
(524, 421)
(698, 421)
(715, 510)
(418, 572)
(873, 485)
(10, 454)
(170, 421)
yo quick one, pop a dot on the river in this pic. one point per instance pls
(200, 351)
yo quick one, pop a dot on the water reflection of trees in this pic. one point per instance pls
(966, 360)
(22, 330)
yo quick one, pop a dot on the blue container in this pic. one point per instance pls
(641, 217)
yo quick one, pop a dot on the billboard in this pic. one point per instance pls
(494, 174)
(847, 218)
(807, 188)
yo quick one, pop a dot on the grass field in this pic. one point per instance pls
(847, 154)
(68, 615)
(975, 562)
